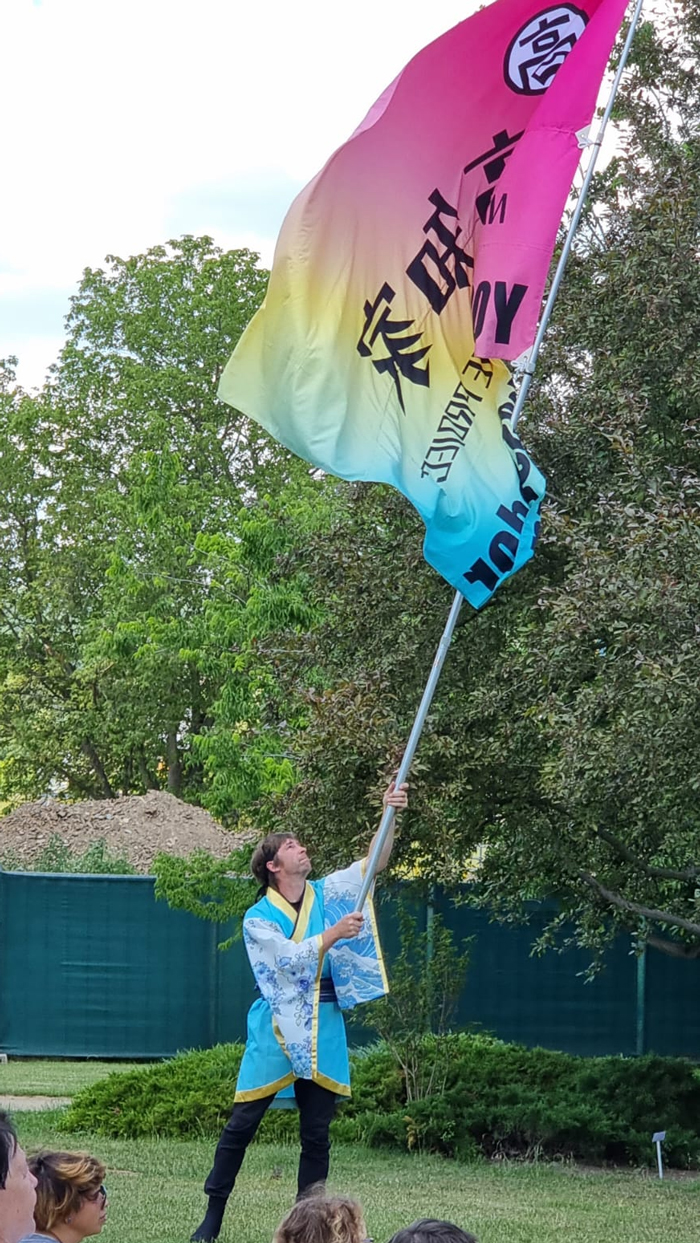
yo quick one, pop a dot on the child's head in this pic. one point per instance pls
(320, 1218)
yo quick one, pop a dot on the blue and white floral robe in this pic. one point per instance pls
(292, 1034)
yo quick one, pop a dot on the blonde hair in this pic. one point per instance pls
(320, 1218)
(63, 1179)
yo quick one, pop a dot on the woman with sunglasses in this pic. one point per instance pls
(71, 1200)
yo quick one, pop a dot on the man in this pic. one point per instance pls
(312, 956)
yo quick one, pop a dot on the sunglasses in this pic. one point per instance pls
(100, 1194)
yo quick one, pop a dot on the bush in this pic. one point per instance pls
(499, 1100)
(427, 978)
(190, 1095)
(57, 856)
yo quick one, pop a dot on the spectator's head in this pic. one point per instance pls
(17, 1184)
(320, 1218)
(69, 1192)
(428, 1230)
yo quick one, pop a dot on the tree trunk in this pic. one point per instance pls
(174, 764)
(149, 782)
(128, 779)
(89, 751)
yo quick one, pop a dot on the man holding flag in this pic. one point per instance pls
(312, 956)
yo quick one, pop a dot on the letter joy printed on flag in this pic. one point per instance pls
(412, 268)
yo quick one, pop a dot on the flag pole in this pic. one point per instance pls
(527, 374)
(388, 816)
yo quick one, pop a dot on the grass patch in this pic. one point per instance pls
(155, 1190)
(38, 1077)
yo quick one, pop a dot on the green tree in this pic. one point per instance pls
(47, 585)
(134, 543)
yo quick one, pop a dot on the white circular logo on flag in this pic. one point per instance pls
(539, 50)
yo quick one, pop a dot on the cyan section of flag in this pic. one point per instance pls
(413, 266)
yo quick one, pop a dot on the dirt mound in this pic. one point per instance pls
(136, 827)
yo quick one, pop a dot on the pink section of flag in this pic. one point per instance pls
(536, 181)
(488, 114)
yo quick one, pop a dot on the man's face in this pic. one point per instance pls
(17, 1200)
(291, 861)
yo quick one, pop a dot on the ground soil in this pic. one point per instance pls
(136, 827)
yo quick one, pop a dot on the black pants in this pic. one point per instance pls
(316, 1109)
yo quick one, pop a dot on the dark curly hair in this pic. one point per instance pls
(430, 1230)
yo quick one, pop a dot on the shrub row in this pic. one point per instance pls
(498, 1099)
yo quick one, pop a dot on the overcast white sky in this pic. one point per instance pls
(128, 122)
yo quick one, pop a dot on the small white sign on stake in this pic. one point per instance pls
(657, 1139)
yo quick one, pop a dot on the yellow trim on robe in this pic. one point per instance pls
(304, 914)
(300, 918)
(340, 1089)
(254, 1094)
(317, 1002)
(281, 903)
(375, 930)
(278, 1035)
(321, 1043)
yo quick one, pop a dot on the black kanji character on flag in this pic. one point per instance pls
(493, 162)
(400, 359)
(451, 263)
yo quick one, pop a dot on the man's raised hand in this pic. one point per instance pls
(396, 796)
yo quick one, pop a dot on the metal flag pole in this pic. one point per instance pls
(527, 374)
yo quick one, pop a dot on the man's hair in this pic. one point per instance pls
(63, 1179)
(429, 1230)
(318, 1218)
(8, 1146)
(263, 854)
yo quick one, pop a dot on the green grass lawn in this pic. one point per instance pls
(156, 1197)
(36, 1077)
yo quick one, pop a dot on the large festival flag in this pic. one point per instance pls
(413, 265)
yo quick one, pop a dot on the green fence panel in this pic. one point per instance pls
(542, 1000)
(236, 989)
(671, 1006)
(92, 966)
